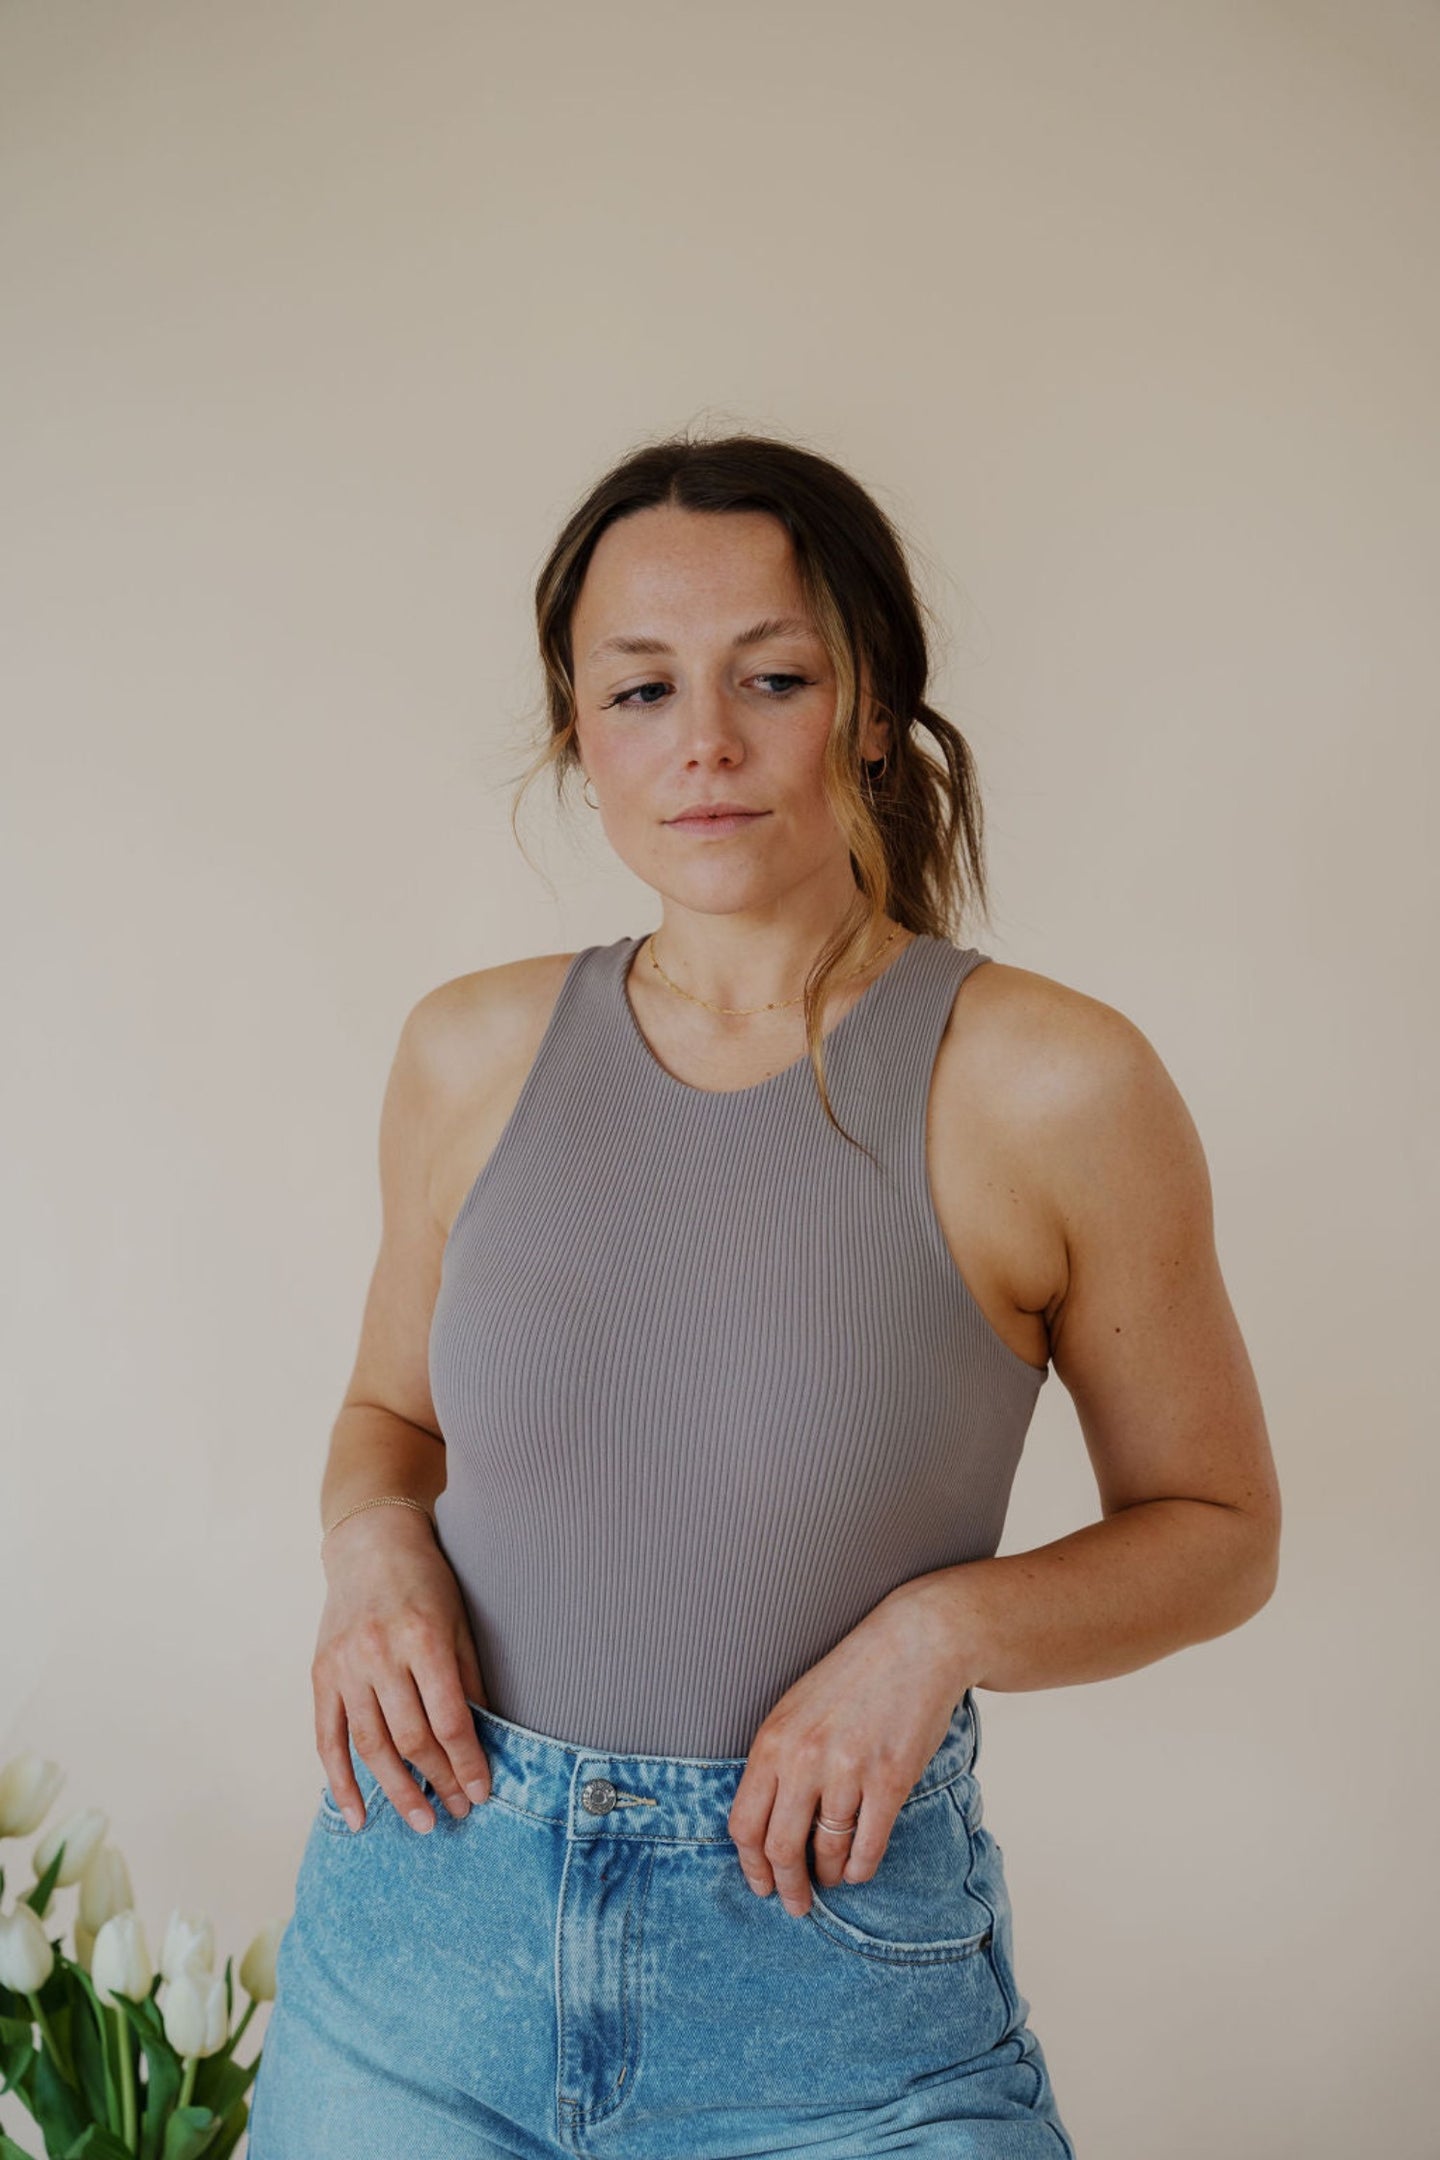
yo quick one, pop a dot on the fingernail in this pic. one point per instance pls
(419, 1818)
(478, 1791)
(354, 1816)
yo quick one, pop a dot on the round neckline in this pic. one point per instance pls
(632, 945)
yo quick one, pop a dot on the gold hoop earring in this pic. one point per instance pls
(592, 805)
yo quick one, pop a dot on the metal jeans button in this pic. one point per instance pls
(598, 1796)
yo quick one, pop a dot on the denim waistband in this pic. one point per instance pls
(683, 1799)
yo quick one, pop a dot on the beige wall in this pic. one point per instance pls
(317, 319)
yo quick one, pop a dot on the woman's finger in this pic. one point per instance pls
(410, 1739)
(872, 1832)
(463, 1773)
(786, 1840)
(832, 1848)
(747, 1822)
(332, 1732)
(370, 1729)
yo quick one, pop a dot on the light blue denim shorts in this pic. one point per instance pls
(578, 1966)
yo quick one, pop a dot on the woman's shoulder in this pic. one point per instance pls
(1055, 1112)
(484, 1020)
(1055, 1055)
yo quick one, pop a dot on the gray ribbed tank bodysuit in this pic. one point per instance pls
(709, 1380)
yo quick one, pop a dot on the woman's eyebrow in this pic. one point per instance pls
(771, 626)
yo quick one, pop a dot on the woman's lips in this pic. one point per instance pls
(716, 824)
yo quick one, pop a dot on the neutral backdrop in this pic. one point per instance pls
(317, 320)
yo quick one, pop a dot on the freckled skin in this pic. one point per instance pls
(743, 915)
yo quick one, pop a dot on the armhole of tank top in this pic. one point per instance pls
(1019, 1367)
(527, 1087)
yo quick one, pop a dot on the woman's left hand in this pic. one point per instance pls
(854, 1732)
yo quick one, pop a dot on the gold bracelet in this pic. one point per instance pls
(383, 1500)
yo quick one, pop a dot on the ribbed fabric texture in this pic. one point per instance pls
(710, 1382)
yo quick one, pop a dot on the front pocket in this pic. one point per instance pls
(944, 1952)
(919, 1907)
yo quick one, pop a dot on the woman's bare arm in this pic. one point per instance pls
(1144, 1338)
(395, 1665)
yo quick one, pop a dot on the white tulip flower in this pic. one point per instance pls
(26, 1958)
(104, 1887)
(80, 1836)
(189, 1941)
(84, 1945)
(28, 1786)
(194, 2013)
(257, 1967)
(120, 1963)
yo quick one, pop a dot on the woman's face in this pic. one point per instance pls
(730, 701)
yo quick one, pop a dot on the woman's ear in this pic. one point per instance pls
(875, 736)
(874, 731)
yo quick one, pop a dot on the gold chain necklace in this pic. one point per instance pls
(776, 1004)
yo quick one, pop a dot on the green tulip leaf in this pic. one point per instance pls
(166, 2077)
(98, 2143)
(55, 2104)
(38, 1895)
(103, 2042)
(188, 2133)
(220, 2081)
(16, 2057)
(86, 2043)
(231, 2130)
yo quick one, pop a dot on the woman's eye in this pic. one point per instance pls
(629, 696)
(626, 697)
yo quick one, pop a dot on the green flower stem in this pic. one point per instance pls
(192, 2064)
(106, 2047)
(250, 2008)
(48, 2036)
(129, 2132)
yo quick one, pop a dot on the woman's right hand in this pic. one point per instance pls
(393, 1667)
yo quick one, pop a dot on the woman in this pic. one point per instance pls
(721, 1269)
